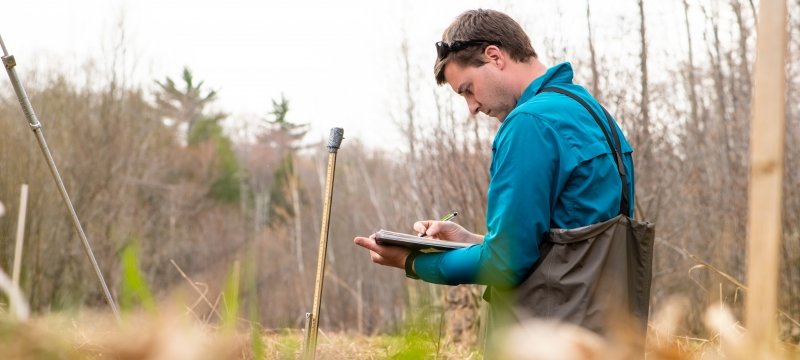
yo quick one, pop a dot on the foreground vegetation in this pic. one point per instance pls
(95, 336)
(98, 336)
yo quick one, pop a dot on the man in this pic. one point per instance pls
(553, 167)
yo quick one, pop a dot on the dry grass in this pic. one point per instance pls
(286, 345)
(155, 337)
(98, 336)
(727, 339)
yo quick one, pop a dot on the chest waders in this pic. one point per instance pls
(597, 276)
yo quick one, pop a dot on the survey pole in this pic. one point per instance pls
(312, 327)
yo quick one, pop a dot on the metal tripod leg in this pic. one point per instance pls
(10, 62)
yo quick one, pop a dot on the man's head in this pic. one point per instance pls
(472, 31)
(477, 38)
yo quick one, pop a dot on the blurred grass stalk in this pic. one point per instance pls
(230, 299)
(134, 286)
(19, 310)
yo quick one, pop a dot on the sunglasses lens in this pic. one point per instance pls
(442, 49)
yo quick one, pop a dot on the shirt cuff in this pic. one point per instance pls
(427, 268)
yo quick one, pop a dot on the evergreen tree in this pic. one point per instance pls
(186, 105)
(285, 136)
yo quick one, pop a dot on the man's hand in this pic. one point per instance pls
(384, 255)
(447, 230)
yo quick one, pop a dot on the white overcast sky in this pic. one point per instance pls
(338, 62)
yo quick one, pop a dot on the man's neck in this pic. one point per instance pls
(525, 73)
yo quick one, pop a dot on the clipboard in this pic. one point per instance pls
(386, 237)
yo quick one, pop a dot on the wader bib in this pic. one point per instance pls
(593, 276)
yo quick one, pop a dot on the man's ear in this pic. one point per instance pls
(495, 56)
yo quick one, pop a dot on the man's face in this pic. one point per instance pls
(482, 87)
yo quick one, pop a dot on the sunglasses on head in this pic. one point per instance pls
(443, 48)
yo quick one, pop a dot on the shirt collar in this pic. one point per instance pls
(560, 74)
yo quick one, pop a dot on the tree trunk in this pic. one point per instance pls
(645, 104)
(593, 57)
(691, 70)
(643, 138)
(744, 62)
(410, 132)
(373, 195)
(298, 220)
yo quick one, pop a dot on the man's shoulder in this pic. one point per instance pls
(568, 118)
(554, 110)
(545, 102)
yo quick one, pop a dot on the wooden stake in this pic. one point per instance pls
(23, 207)
(767, 138)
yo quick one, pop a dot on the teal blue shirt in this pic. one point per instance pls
(551, 168)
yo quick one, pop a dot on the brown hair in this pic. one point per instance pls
(489, 25)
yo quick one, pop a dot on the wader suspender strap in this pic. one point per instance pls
(624, 206)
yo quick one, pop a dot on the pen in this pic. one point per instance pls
(447, 217)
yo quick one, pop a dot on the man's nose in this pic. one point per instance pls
(473, 106)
